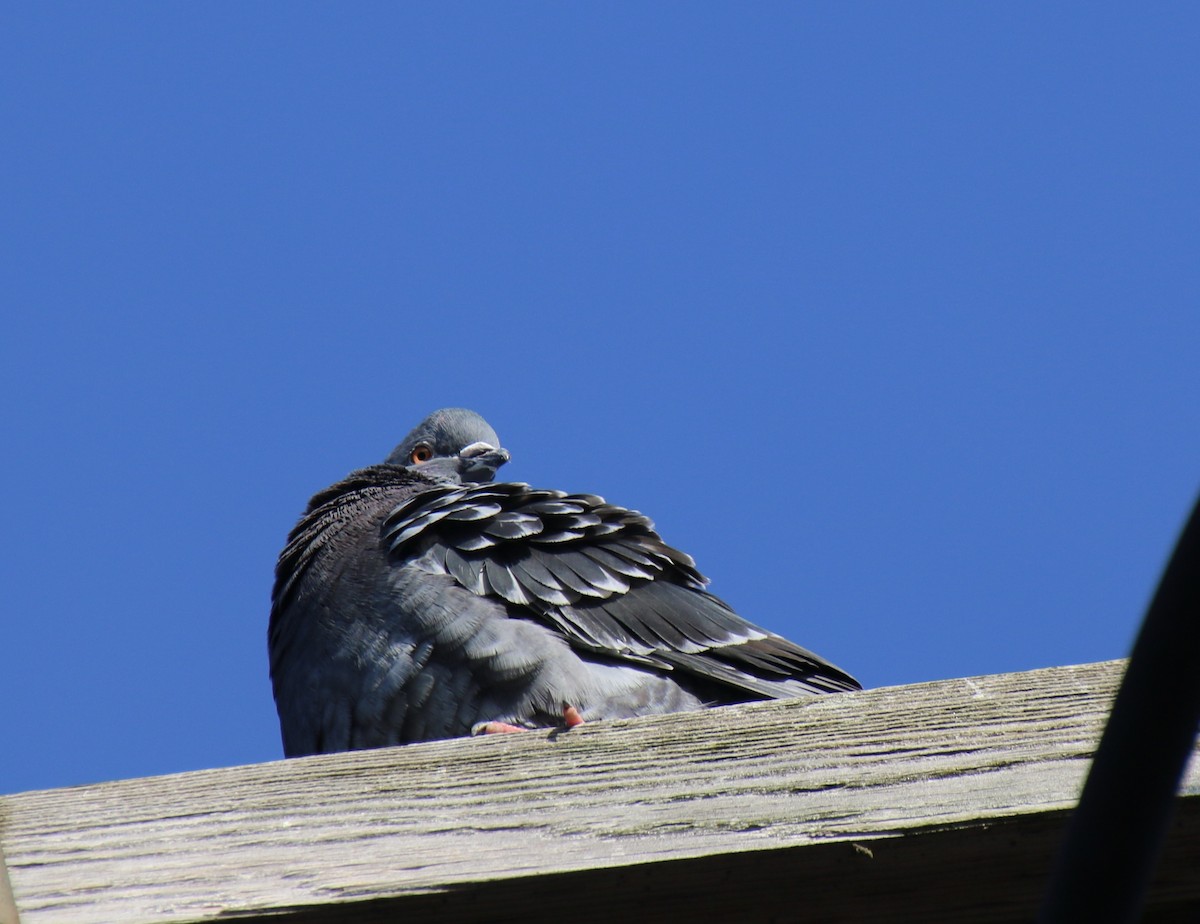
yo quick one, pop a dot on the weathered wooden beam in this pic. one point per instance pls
(934, 802)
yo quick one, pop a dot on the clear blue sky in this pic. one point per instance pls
(888, 313)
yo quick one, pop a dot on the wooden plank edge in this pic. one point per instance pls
(8, 903)
(989, 872)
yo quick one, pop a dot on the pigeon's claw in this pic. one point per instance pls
(570, 714)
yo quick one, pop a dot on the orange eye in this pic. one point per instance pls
(421, 454)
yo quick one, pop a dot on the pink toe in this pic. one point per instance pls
(571, 716)
(495, 728)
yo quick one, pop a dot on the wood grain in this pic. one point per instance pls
(610, 818)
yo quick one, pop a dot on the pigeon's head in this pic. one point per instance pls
(453, 445)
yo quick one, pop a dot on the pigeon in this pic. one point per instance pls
(420, 599)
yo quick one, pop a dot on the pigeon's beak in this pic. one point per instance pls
(480, 461)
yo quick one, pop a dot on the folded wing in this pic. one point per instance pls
(602, 577)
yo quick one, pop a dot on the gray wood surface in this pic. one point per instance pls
(471, 829)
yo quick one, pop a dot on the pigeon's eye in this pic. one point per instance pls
(421, 454)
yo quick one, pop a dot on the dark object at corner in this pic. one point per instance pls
(1117, 831)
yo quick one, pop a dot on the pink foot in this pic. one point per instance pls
(495, 728)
